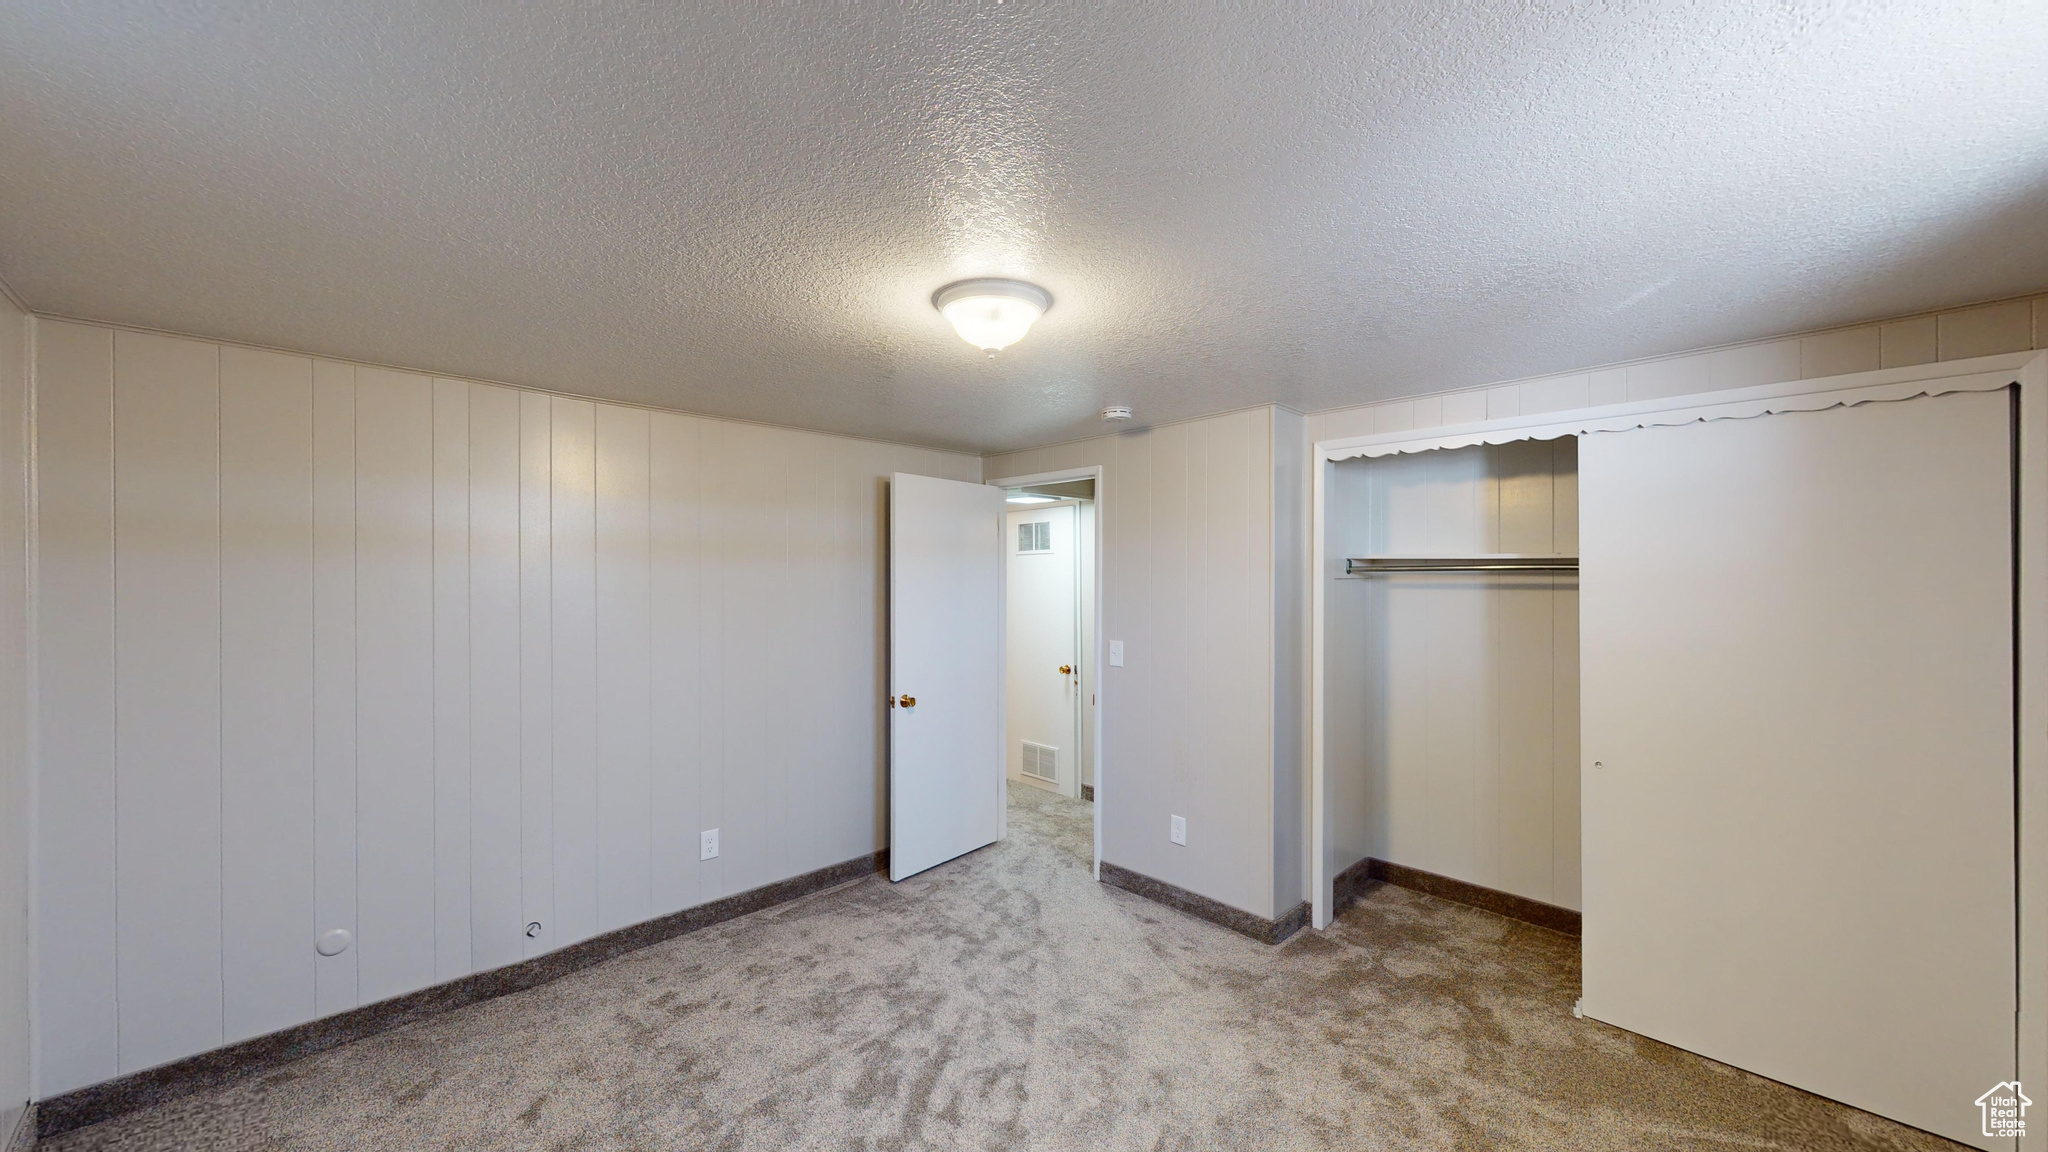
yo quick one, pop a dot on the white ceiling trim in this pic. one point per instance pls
(1983, 374)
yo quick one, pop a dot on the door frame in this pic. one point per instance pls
(1087, 472)
(2027, 370)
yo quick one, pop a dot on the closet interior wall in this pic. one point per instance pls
(1452, 698)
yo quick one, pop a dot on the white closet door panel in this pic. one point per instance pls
(453, 950)
(536, 663)
(266, 652)
(76, 1031)
(574, 686)
(676, 621)
(167, 687)
(394, 681)
(497, 906)
(624, 707)
(1798, 678)
(334, 677)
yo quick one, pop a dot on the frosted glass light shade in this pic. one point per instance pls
(991, 314)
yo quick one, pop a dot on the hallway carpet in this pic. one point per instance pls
(1007, 1001)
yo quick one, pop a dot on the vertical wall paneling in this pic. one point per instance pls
(334, 677)
(453, 949)
(840, 529)
(1231, 520)
(1125, 812)
(325, 646)
(536, 664)
(802, 634)
(497, 913)
(394, 681)
(1564, 746)
(1451, 699)
(266, 691)
(716, 678)
(1289, 660)
(17, 793)
(77, 1032)
(624, 714)
(751, 528)
(675, 665)
(167, 592)
(574, 585)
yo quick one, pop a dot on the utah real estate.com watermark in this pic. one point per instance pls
(2005, 1110)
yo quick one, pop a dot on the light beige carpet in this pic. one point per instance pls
(1006, 1000)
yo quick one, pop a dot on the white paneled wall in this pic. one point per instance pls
(1956, 334)
(1452, 703)
(16, 833)
(330, 646)
(1192, 724)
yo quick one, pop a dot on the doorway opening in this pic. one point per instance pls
(1051, 628)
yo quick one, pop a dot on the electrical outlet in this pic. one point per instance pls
(1178, 832)
(707, 844)
(1116, 653)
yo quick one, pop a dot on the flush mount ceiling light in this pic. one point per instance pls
(991, 314)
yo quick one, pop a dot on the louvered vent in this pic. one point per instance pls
(1041, 762)
(1035, 536)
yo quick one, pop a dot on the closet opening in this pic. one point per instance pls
(1685, 675)
(1051, 687)
(1452, 729)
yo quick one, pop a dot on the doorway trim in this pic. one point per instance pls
(1086, 472)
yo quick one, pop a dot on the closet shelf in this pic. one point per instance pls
(1500, 562)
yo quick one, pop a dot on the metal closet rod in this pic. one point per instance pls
(1367, 565)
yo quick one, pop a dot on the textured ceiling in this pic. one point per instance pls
(744, 209)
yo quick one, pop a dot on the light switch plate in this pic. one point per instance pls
(707, 844)
(1116, 653)
(1178, 831)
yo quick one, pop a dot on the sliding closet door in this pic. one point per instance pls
(1797, 757)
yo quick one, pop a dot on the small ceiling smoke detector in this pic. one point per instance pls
(991, 314)
(1116, 412)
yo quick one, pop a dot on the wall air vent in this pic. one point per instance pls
(1035, 536)
(1042, 762)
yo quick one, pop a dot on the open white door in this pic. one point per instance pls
(945, 670)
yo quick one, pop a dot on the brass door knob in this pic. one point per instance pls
(910, 701)
(1066, 669)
